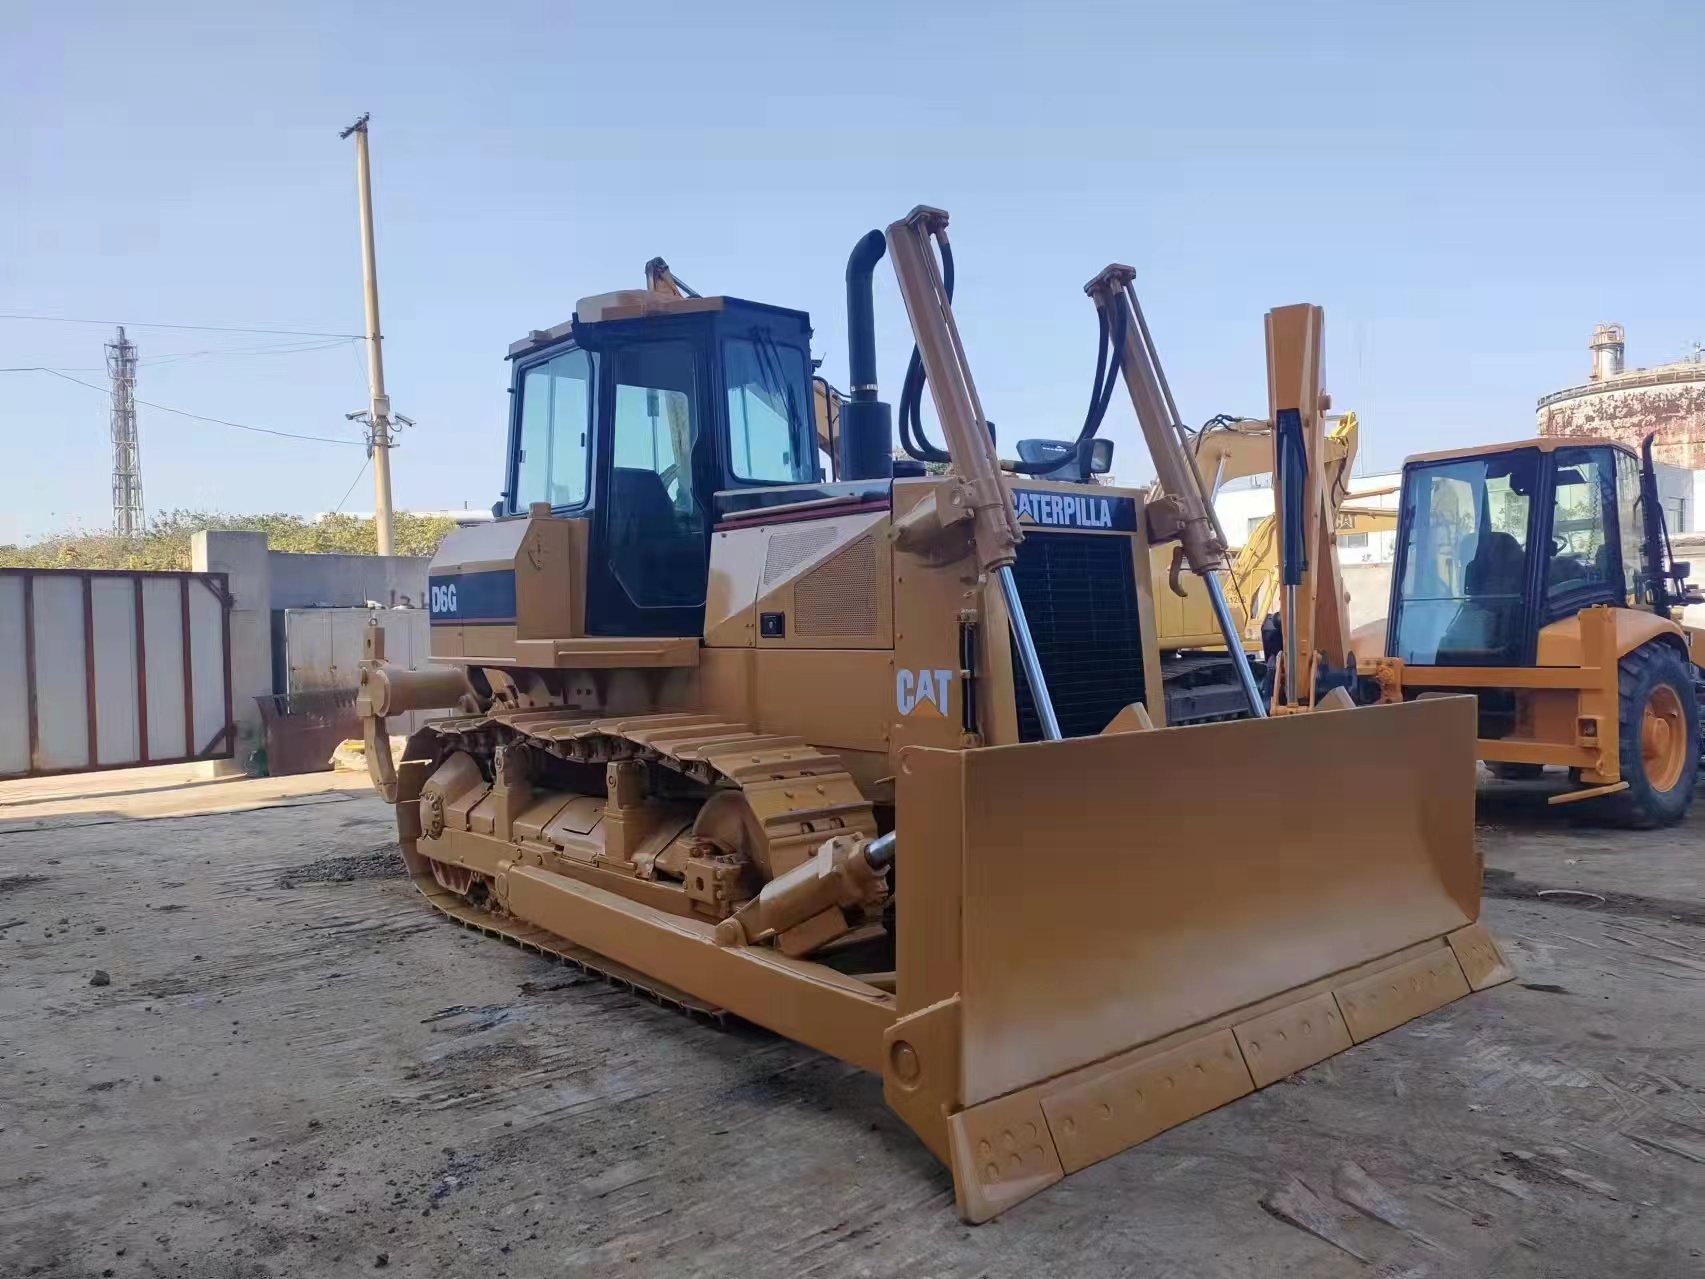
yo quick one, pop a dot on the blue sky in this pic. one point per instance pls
(1466, 188)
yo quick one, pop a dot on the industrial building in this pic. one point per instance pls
(1627, 405)
(1615, 403)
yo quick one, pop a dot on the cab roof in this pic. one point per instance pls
(1545, 444)
(634, 304)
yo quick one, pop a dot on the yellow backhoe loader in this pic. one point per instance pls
(882, 764)
(1537, 576)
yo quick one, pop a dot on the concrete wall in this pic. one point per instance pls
(262, 580)
(346, 581)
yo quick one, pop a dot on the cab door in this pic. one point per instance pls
(1583, 561)
(648, 564)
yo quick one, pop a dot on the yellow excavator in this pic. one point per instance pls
(882, 764)
(1196, 669)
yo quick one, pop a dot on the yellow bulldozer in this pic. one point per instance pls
(882, 764)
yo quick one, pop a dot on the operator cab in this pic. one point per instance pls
(633, 415)
(1496, 544)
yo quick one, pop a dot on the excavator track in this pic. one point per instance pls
(798, 795)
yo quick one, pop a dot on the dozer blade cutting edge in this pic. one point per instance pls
(1092, 945)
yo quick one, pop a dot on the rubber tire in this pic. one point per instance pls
(1641, 807)
(1505, 771)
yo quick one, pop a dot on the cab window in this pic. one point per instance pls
(768, 429)
(1583, 555)
(552, 450)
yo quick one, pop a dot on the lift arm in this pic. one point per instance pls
(976, 465)
(1185, 512)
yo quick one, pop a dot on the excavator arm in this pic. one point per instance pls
(1310, 469)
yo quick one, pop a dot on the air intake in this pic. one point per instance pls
(788, 551)
(837, 599)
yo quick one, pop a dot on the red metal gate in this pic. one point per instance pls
(106, 669)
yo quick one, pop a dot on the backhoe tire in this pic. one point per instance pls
(1659, 739)
(1505, 771)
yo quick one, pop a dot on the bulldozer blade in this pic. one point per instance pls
(1101, 938)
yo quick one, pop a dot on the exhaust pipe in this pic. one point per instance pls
(867, 428)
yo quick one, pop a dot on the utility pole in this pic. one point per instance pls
(128, 519)
(378, 418)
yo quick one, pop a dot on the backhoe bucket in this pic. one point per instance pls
(1103, 937)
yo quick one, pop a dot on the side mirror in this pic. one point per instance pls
(1680, 570)
(497, 509)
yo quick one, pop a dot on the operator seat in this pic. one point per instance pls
(1486, 626)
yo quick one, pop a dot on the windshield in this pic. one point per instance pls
(1464, 565)
(767, 429)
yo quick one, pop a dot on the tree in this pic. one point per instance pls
(166, 543)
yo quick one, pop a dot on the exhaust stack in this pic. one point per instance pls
(867, 428)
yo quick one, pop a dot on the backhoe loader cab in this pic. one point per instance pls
(1537, 576)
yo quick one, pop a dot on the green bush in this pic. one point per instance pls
(166, 543)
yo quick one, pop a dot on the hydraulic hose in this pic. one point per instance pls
(1100, 390)
(912, 438)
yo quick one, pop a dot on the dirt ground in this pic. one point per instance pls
(297, 1069)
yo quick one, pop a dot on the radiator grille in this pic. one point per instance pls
(1080, 598)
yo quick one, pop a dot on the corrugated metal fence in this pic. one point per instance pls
(104, 669)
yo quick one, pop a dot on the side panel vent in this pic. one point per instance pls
(838, 598)
(1080, 598)
(787, 551)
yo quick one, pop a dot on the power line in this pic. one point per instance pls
(172, 357)
(199, 417)
(283, 348)
(197, 328)
(339, 507)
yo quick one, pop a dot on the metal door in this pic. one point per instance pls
(105, 669)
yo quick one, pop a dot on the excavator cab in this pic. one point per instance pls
(633, 416)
